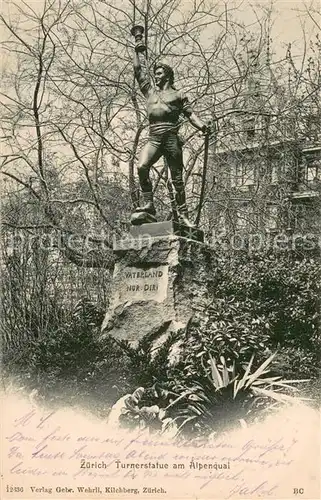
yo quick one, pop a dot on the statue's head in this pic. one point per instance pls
(163, 72)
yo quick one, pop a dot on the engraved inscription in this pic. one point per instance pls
(143, 284)
(144, 274)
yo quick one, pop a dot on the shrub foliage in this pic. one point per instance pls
(260, 305)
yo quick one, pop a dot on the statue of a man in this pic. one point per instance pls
(165, 104)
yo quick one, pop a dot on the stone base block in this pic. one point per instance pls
(160, 284)
(166, 228)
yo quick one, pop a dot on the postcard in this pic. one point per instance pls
(160, 249)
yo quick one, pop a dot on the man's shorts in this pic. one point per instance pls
(165, 136)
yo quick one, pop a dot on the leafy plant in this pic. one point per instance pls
(220, 396)
(233, 331)
(297, 362)
(281, 291)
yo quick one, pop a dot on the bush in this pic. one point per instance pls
(69, 366)
(296, 362)
(217, 399)
(264, 303)
(232, 331)
(258, 306)
(283, 291)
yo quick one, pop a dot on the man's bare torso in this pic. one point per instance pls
(164, 105)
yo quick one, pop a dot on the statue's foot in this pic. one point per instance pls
(148, 208)
(138, 218)
(148, 204)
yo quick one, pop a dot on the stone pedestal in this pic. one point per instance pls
(160, 284)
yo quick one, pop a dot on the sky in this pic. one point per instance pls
(289, 19)
(289, 16)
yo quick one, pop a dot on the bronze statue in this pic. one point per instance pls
(165, 104)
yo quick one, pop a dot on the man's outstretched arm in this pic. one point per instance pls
(141, 71)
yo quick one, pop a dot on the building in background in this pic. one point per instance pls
(266, 163)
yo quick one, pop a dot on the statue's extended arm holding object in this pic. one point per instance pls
(140, 67)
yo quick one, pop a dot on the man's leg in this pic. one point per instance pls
(174, 156)
(150, 154)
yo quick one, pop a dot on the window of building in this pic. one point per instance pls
(274, 173)
(221, 223)
(241, 221)
(289, 165)
(235, 176)
(248, 175)
(313, 171)
(298, 216)
(313, 128)
(266, 125)
(242, 175)
(311, 167)
(272, 217)
(249, 128)
(288, 126)
(243, 215)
